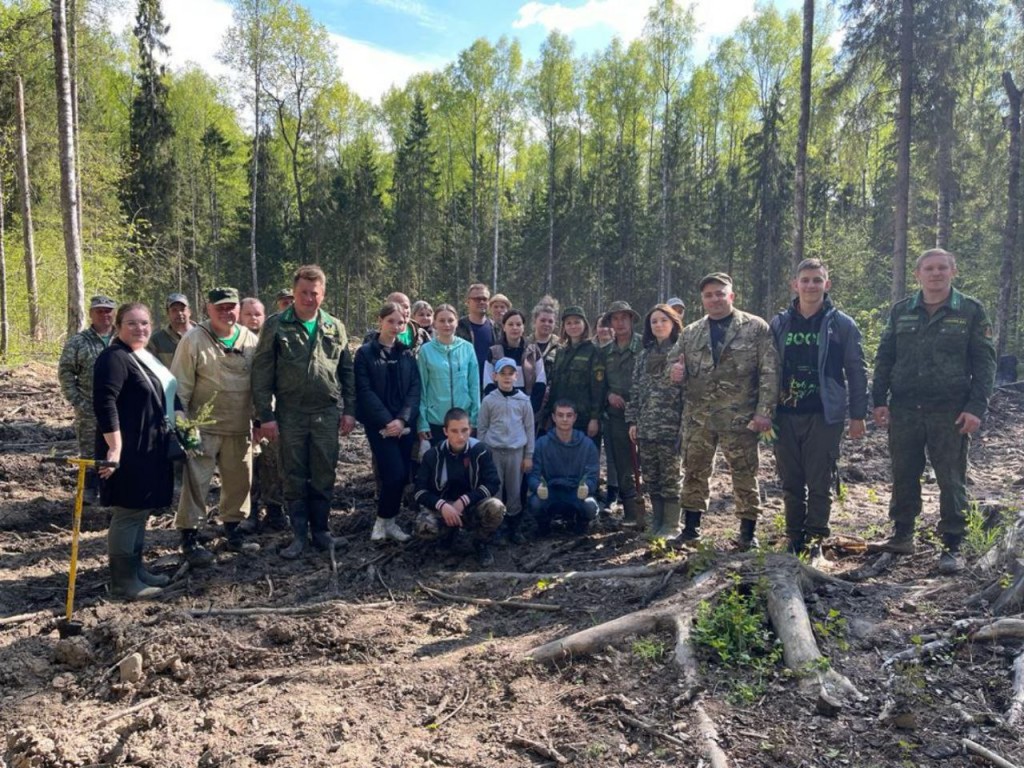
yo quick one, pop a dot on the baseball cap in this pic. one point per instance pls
(102, 302)
(222, 295)
(505, 362)
(675, 301)
(285, 293)
(177, 298)
(714, 277)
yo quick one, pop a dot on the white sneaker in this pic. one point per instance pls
(380, 531)
(392, 531)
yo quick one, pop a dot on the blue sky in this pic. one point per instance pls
(384, 42)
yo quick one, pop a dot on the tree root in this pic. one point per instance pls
(544, 750)
(987, 754)
(523, 604)
(876, 567)
(999, 630)
(1015, 714)
(625, 572)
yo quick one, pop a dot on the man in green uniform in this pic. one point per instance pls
(731, 369)
(618, 359)
(74, 372)
(934, 373)
(303, 387)
(164, 342)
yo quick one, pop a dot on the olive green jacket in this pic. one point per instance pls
(745, 382)
(292, 372)
(946, 362)
(618, 365)
(576, 374)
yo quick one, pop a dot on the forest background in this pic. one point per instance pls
(857, 131)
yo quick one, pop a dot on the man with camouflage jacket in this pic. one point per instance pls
(731, 368)
(303, 387)
(75, 374)
(934, 372)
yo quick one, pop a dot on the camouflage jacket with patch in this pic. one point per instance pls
(946, 362)
(618, 369)
(304, 375)
(74, 370)
(577, 374)
(744, 383)
(656, 403)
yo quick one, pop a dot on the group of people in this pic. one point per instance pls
(494, 428)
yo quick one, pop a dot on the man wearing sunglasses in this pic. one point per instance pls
(476, 327)
(213, 365)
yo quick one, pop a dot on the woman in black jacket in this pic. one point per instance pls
(134, 401)
(387, 403)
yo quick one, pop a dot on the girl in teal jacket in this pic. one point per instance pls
(449, 376)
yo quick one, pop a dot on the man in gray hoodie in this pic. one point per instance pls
(563, 480)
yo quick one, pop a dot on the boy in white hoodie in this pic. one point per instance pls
(505, 426)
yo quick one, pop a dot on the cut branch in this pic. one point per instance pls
(1000, 630)
(523, 604)
(625, 572)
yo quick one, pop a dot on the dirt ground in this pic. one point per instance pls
(362, 666)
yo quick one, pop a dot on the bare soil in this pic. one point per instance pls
(362, 667)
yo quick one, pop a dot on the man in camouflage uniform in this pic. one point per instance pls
(731, 368)
(75, 374)
(213, 366)
(303, 386)
(617, 364)
(164, 342)
(934, 373)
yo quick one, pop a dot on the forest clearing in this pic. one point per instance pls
(402, 656)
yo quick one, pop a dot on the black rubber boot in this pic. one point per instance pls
(235, 539)
(484, 554)
(319, 525)
(197, 555)
(515, 529)
(950, 559)
(747, 539)
(147, 577)
(691, 526)
(276, 519)
(125, 582)
(795, 545)
(123, 560)
(611, 495)
(300, 531)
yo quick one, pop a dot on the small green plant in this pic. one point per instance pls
(649, 649)
(872, 496)
(595, 750)
(832, 630)
(980, 535)
(843, 494)
(544, 584)
(661, 549)
(734, 632)
(779, 521)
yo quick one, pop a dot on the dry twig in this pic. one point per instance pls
(524, 604)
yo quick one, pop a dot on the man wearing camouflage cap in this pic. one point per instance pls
(731, 368)
(179, 321)
(617, 372)
(213, 366)
(75, 374)
(284, 299)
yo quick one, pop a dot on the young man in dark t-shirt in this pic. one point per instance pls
(823, 379)
(476, 327)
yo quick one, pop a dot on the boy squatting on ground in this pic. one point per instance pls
(505, 426)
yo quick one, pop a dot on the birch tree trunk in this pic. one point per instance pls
(28, 236)
(68, 188)
(1004, 307)
(803, 131)
(901, 207)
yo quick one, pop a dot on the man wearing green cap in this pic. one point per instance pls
(213, 366)
(164, 342)
(731, 368)
(617, 372)
(75, 374)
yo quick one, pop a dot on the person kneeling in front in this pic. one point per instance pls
(563, 480)
(456, 486)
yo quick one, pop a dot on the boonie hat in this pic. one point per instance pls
(177, 298)
(102, 302)
(222, 295)
(505, 362)
(573, 312)
(714, 277)
(622, 306)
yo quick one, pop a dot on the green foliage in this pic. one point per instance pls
(831, 630)
(734, 632)
(660, 548)
(981, 534)
(649, 650)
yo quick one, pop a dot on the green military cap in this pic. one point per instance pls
(222, 295)
(623, 306)
(285, 293)
(714, 277)
(573, 312)
(102, 302)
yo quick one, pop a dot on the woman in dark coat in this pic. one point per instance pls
(134, 400)
(387, 403)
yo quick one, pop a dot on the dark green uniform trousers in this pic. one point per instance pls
(806, 455)
(911, 432)
(309, 454)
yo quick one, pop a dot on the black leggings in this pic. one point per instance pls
(394, 461)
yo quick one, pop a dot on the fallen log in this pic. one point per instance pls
(999, 630)
(1015, 714)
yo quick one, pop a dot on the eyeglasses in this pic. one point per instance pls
(479, 298)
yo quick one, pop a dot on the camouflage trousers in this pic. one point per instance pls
(85, 431)
(660, 463)
(911, 432)
(482, 519)
(267, 482)
(739, 446)
(309, 454)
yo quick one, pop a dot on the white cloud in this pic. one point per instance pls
(715, 19)
(417, 10)
(370, 71)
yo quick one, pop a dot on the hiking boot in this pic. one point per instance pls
(249, 525)
(484, 554)
(900, 543)
(815, 551)
(950, 562)
(795, 545)
(691, 526)
(195, 553)
(748, 540)
(235, 540)
(515, 530)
